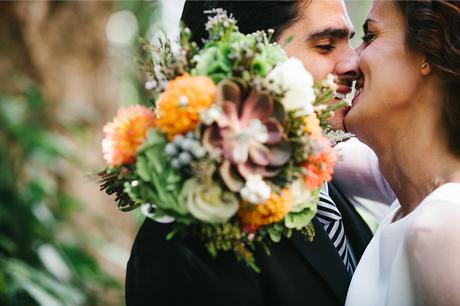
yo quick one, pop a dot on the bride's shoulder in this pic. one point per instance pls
(439, 219)
(433, 251)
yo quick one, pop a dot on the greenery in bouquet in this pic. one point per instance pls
(233, 150)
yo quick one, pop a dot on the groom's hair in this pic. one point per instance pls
(250, 15)
(433, 29)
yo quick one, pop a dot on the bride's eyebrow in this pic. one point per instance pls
(330, 33)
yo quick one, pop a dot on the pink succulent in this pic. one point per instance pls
(249, 133)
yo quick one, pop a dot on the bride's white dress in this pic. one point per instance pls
(383, 276)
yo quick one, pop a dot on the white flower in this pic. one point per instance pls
(209, 115)
(148, 210)
(151, 84)
(330, 82)
(208, 202)
(302, 197)
(255, 191)
(292, 76)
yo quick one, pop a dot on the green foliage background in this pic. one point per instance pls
(39, 264)
(43, 260)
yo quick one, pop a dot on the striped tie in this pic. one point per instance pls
(331, 219)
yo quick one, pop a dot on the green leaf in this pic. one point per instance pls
(43, 288)
(300, 219)
(287, 41)
(275, 236)
(142, 168)
(275, 232)
(161, 183)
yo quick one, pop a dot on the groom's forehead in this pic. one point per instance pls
(329, 16)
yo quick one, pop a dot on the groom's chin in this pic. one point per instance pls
(338, 120)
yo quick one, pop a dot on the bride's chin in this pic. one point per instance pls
(347, 125)
(356, 99)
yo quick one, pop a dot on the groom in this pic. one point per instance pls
(297, 272)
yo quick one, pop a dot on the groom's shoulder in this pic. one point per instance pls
(181, 271)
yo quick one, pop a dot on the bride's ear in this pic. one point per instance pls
(425, 68)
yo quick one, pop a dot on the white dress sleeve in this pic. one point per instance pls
(433, 249)
(358, 176)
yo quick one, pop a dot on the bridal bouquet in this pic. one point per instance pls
(232, 151)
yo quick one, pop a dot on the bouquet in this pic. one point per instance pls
(232, 149)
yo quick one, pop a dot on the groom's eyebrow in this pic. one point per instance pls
(331, 33)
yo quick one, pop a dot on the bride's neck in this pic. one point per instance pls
(418, 159)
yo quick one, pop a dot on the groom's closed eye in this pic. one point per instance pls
(324, 41)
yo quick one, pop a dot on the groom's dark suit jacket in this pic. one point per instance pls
(297, 273)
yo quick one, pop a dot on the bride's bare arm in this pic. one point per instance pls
(357, 170)
(357, 174)
(433, 249)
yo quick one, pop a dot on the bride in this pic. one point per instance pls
(407, 108)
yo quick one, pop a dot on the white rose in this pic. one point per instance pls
(292, 76)
(148, 210)
(302, 197)
(208, 202)
(255, 191)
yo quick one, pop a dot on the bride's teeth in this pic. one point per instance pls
(339, 95)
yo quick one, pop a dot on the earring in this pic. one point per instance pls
(425, 68)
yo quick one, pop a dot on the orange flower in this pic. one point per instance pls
(312, 125)
(273, 210)
(180, 104)
(319, 167)
(125, 133)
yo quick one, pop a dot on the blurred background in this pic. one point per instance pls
(65, 68)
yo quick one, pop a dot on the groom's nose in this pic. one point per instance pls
(347, 66)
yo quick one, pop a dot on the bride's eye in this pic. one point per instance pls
(368, 37)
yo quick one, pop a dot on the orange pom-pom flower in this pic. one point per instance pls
(126, 133)
(273, 210)
(180, 104)
(320, 166)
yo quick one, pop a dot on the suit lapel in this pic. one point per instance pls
(321, 253)
(323, 257)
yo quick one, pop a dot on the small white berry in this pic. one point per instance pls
(175, 163)
(171, 149)
(183, 101)
(185, 158)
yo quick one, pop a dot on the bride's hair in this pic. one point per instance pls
(433, 29)
(251, 15)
